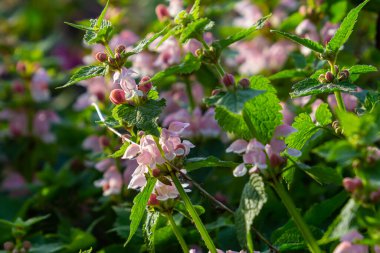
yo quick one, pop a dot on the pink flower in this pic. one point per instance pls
(14, 183)
(41, 125)
(192, 46)
(347, 244)
(92, 143)
(248, 14)
(308, 30)
(111, 182)
(125, 37)
(328, 31)
(104, 164)
(350, 101)
(165, 192)
(40, 86)
(175, 6)
(97, 88)
(169, 53)
(143, 63)
(18, 121)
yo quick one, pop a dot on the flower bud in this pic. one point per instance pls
(117, 57)
(101, 57)
(120, 49)
(276, 160)
(329, 76)
(215, 92)
(141, 133)
(156, 172)
(27, 245)
(228, 80)
(322, 78)
(153, 200)
(8, 246)
(375, 196)
(103, 141)
(21, 67)
(18, 87)
(144, 85)
(117, 96)
(112, 61)
(343, 75)
(352, 184)
(244, 83)
(336, 68)
(162, 12)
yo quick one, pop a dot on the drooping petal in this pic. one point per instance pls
(255, 145)
(294, 152)
(240, 170)
(284, 130)
(238, 146)
(131, 152)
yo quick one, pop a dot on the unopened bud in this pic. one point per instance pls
(101, 57)
(153, 200)
(111, 61)
(117, 57)
(343, 75)
(329, 77)
(18, 87)
(276, 160)
(21, 67)
(156, 172)
(375, 196)
(141, 133)
(162, 12)
(352, 184)
(244, 83)
(117, 96)
(215, 92)
(8, 246)
(27, 245)
(228, 80)
(322, 78)
(145, 86)
(103, 141)
(336, 68)
(120, 49)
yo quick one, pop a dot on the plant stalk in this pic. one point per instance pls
(189, 207)
(338, 94)
(298, 220)
(189, 94)
(177, 233)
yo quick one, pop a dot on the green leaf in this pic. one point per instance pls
(80, 27)
(362, 69)
(86, 251)
(121, 151)
(100, 34)
(188, 66)
(143, 117)
(233, 100)
(322, 174)
(313, 45)
(195, 9)
(289, 73)
(149, 229)
(180, 207)
(252, 200)
(323, 115)
(102, 15)
(241, 34)
(206, 162)
(84, 73)
(195, 29)
(232, 123)
(139, 205)
(345, 29)
(305, 130)
(342, 224)
(263, 113)
(313, 87)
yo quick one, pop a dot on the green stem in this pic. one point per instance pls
(250, 242)
(189, 207)
(177, 233)
(220, 69)
(294, 213)
(109, 50)
(311, 3)
(338, 94)
(189, 94)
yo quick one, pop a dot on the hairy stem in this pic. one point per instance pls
(338, 94)
(190, 208)
(189, 93)
(297, 218)
(177, 233)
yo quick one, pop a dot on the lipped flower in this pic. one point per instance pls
(259, 156)
(112, 181)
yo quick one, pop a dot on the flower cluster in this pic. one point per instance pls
(259, 156)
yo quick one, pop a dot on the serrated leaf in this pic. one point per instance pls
(102, 15)
(205, 162)
(345, 29)
(149, 229)
(252, 200)
(80, 27)
(263, 112)
(322, 174)
(232, 123)
(313, 87)
(234, 100)
(289, 73)
(195, 29)
(139, 205)
(342, 224)
(120, 152)
(100, 34)
(305, 130)
(195, 9)
(241, 34)
(313, 45)
(84, 73)
(143, 117)
(180, 207)
(362, 69)
(188, 66)
(323, 115)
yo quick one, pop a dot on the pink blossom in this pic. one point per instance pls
(97, 88)
(288, 115)
(18, 121)
(42, 123)
(104, 164)
(192, 46)
(348, 245)
(308, 30)
(165, 192)
(111, 182)
(14, 183)
(40, 86)
(169, 53)
(349, 100)
(92, 143)
(175, 6)
(125, 37)
(143, 63)
(248, 14)
(377, 249)
(328, 31)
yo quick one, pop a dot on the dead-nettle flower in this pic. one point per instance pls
(112, 181)
(260, 156)
(40, 86)
(148, 156)
(348, 243)
(169, 52)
